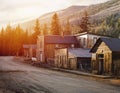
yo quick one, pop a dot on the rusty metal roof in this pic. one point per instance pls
(80, 52)
(57, 39)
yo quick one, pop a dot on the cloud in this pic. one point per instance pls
(86, 2)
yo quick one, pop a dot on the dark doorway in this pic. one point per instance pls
(101, 66)
(101, 63)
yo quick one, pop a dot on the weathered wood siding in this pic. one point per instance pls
(107, 59)
(40, 49)
(50, 49)
(65, 60)
(61, 58)
(107, 56)
(73, 63)
(116, 63)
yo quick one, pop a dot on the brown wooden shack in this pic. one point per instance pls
(46, 46)
(106, 56)
(29, 50)
(73, 58)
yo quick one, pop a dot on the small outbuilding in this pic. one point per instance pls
(106, 56)
(29, 50)
(73, 58)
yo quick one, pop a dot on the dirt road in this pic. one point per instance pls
(16, 77)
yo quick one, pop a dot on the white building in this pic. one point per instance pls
(87, 39)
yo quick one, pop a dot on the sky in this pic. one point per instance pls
(18, 11)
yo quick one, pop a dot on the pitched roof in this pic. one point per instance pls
(57, 39)
(80, 52)
(90, 33)
(112, 43)
(33, 46)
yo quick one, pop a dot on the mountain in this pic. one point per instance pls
(104, 10)
(46, 18)
(101, 11)
(74, 13)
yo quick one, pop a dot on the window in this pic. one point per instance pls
(100, 56)
(84, 41)
(80, 41)
(65, 59)
(60, 59)
(94, 40)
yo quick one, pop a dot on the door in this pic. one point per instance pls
(72, 63)
(101, 63)
(101, 66)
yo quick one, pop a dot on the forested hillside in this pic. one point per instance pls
(104, 18)
(101, 19)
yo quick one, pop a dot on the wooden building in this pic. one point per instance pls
(46, 46)
(87, 39)
(29, 50)
(73, 58)
(106, 56)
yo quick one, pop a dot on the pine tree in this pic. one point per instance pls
(45, 29)
(2, 41)
(67, 28)
(12, 40)
(8, 39)
(55, 25)
(26, 37)
(19, 39)
(37, 31)
(37, 27)
(85, 25)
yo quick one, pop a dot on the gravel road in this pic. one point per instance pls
(16, 77)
